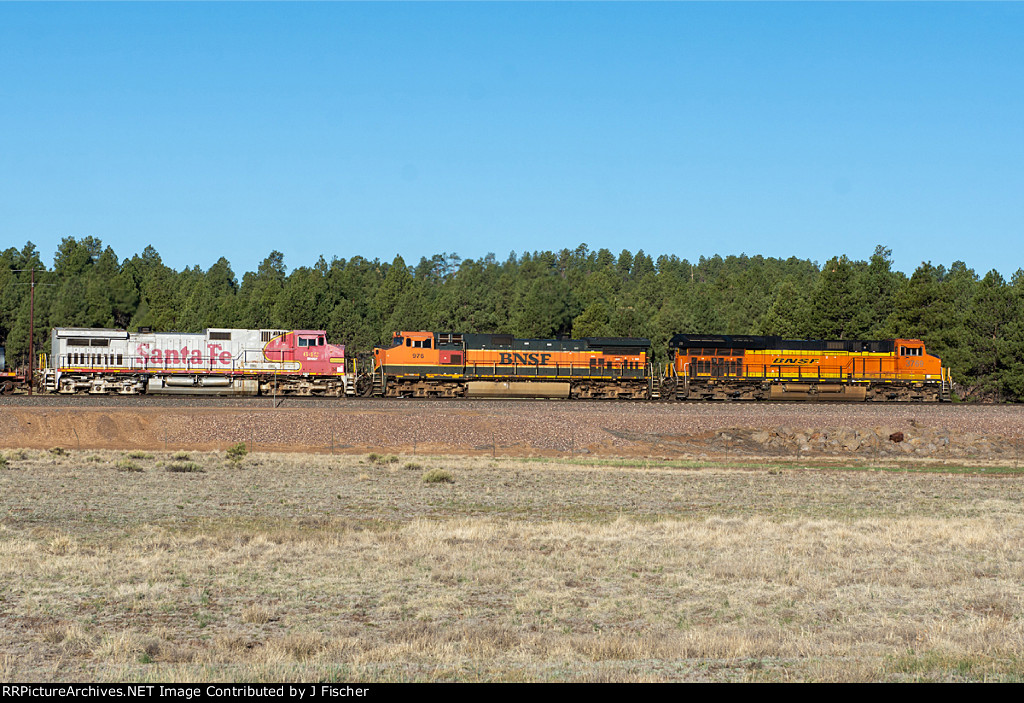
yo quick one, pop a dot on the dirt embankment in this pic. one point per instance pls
(534, 428)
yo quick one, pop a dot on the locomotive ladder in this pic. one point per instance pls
(653, 386)
(378, 379)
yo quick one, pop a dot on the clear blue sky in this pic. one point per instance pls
(805, 130)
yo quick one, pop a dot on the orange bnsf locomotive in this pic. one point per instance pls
(717, 367)
(426, 364)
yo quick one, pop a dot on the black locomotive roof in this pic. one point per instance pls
(622, 345)
(721, 341)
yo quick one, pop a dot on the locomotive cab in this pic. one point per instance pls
(913, 361)
(310, 349)
(408, 348)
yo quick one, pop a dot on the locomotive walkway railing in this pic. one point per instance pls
(204, 365)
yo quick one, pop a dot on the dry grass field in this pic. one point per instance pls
(150, 566)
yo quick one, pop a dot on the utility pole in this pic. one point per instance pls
(31, 330)
(31, 323)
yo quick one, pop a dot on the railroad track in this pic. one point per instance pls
(137, 401)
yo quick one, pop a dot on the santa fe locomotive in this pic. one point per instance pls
(216, 361)
(423, 364)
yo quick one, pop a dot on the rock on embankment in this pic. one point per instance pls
(912, 440)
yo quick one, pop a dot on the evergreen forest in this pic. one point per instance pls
(973, 322)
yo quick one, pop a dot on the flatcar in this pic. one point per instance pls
(429, 364)
(720, 367)
(217, 361)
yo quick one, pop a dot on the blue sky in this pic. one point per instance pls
(803, 129)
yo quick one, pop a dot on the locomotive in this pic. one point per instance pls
(719, 367)
(428, 364)
(424, 364)
(217, 361)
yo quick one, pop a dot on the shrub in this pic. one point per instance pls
(138, 455)
(181, 456)
(127, 465)
(438, 476)
(413, 466)
(3, 462)
(237, 452)
(186, 467)
(59, 451)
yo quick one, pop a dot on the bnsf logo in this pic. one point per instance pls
(529, 358)
(782, 360)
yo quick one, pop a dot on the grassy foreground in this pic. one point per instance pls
(196, 567)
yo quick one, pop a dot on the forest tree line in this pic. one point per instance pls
(974, 323)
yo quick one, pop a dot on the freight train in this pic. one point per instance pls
(422, 364)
